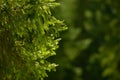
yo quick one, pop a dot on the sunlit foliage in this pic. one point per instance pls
(28, 36)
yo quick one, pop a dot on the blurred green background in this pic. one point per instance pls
(90, 48)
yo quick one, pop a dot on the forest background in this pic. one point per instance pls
(90, 48)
